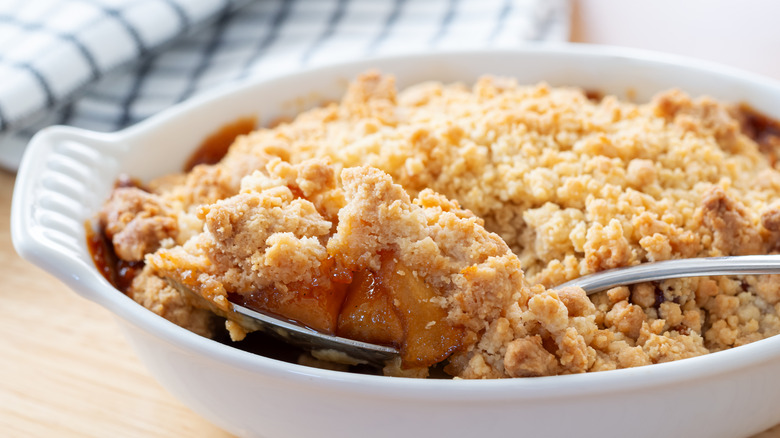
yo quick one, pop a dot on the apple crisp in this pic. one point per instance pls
(438, 220)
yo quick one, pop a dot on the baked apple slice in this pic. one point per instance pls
(396, 307)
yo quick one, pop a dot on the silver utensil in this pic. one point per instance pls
(698, 267)
(332, 347)
(354, 352)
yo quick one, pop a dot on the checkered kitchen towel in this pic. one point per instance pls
(106, 64)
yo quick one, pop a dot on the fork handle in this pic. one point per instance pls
(698, 267)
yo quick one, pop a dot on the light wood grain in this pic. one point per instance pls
(66, 370)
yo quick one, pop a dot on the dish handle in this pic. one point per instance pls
(65, 175)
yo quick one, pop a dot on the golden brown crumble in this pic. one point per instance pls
(488, 195)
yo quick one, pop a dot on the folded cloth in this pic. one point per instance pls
(106, 64)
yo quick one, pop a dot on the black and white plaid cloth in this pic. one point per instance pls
(106, 64)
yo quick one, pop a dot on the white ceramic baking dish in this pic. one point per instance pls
(66, 175)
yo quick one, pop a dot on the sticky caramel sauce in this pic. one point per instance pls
(120, 273)
(593, 95)
(216, 145)
(763, 129)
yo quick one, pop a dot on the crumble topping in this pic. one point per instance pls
(484, 198)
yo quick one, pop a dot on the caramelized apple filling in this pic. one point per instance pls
(391, 306)
(368, 313)
(315, 307)
(396, 307)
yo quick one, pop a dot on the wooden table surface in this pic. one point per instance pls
(66, 369)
